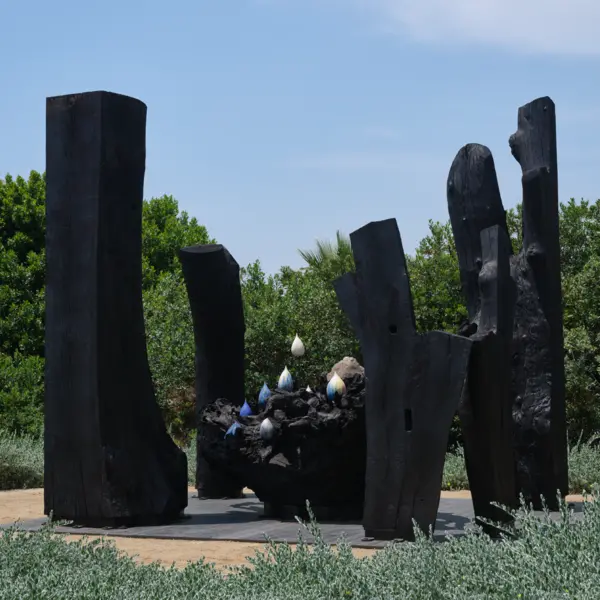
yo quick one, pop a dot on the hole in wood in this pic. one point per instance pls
(393, 329)
(407, 419)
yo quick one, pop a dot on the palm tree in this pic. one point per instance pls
(330, 259)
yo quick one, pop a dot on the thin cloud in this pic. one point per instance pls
(565, 27)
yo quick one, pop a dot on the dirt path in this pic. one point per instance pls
(22, 505)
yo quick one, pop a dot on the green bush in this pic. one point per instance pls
(276, 308)
(22, 394)
(170, 342)
(21, 461)
(584, 467)
(455, 471)
(548, 559)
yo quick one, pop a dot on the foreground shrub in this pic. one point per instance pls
(21, 461)
(584, 465)
(548, 559)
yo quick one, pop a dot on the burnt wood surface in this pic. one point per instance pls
(317, 453)
(474, 204)
(538, 378)
(484, 250)
(212, 278)
(414, 383)
(108, 458)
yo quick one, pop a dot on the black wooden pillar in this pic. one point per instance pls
(538, 383)
(108, 457)
(414, 384)
(484, 251)
(212, 277)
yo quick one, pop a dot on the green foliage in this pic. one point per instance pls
(330, 260)
(279, 306)
(547, 559)
(22, 394)
(21, 461)
(435, 282)
(170, 342)
(22, 282)
(22, 264)
(276, 307)
(584, 467)
(164, 231)
(580, 253)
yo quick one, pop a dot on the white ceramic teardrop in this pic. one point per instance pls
(308, 390)
(298, 348)
(267, 430)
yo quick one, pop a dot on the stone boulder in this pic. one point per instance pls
(347, 369)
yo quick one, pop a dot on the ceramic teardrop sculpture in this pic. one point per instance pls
(298, 348)
(286, 383)
(308, 390)
(264, 395)
(336, 388)
(245, 411)
(233, 429)
(267, 430)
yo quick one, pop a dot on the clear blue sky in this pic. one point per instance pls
(275, 122)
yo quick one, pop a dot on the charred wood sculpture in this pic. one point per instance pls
(538, 377)
(536, 357)
(414, 384)
(484, 249)
(108, 458)
(316, 452)
(212, 278)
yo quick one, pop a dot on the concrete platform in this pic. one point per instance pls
(241, 520)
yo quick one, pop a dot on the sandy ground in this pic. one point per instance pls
(21, 505)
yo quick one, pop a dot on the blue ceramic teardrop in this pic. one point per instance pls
(233, 429)
(286, 383)
(264, 395)
(245, 411)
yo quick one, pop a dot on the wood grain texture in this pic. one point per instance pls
(538, 381)
(484, 250)
(212, 278)
(414, 383)
(108, 457)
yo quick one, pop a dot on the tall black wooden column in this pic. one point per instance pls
(212, 277)
(538, 383)
(108, 457)
(414, 384)
(484, 251)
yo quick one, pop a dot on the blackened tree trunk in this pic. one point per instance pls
(484, 250)
(212, 277)
(538, 381)
(108, 457)
(414, 383)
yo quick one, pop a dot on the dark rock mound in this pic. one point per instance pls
(317, 451)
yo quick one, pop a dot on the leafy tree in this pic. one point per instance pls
(22, 287)
(21, 394)
(330, 260)
(22, 264)
(279, 306)
(170, 342)
(164, 231)
(580, 258)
